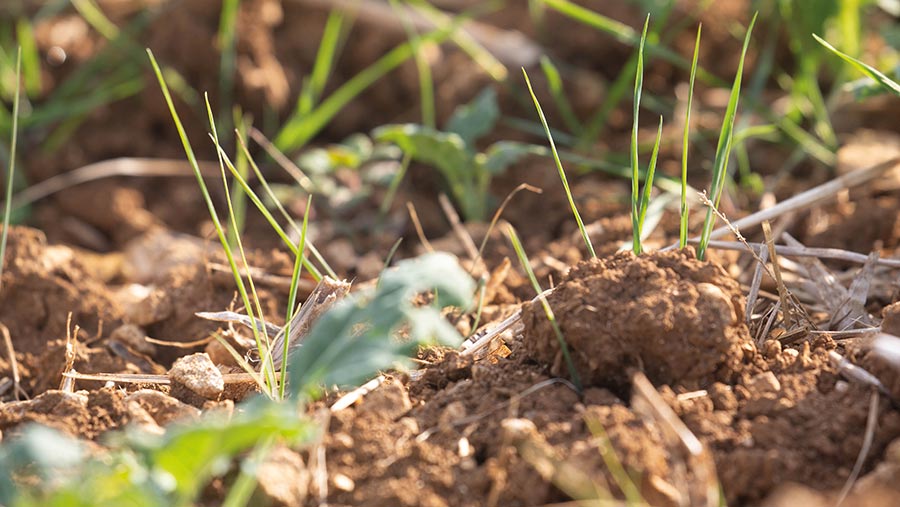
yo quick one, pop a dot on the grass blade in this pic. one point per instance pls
(865, 68)
(723, 149)
(685, 207)
(292, 296)
(651, 171)
(192, 159)
(559, 167)
(325, 57)
(523, 258)
(635, 164)
(426, 84)
(10, 173)
(300, 129)
(554, 82)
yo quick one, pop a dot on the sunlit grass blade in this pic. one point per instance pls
(192, 159)
(635, 163)
(262, 339)
(226, 39)
(314, 85)
(292, 296)
(238, 198)
(523, 259)
(300, 129)
(723, 149)
(426, 84)
(10, 173)
(879, 77)
(554, 83)
(648, 185)
(559, 167)
(685, 207)
(316, 274)
(31, 58)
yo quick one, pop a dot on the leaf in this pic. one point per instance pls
(445, 151)
(865, 68)
(476, 118)
(502, 154)
(356, 338)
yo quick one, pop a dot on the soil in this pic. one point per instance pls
(101, 267)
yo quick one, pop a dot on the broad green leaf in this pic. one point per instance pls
(476, 118)
(500, 155)
(357, 338)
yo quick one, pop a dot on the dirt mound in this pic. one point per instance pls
(676, 318)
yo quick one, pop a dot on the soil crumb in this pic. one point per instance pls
(677, 318)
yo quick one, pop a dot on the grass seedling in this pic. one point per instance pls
(635, 165)
(523, 259)
(723, 148)
(301, 128)
(685, 208)
(292, 294)
(220, 231)
(226, 38)
(262, 339)
(10, 173)
(559, 168)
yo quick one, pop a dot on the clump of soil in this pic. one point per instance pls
(675, 317)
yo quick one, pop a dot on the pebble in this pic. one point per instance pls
(198, 373)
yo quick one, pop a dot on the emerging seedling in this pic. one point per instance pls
(723, 149)
(559, 168)
(685, 209)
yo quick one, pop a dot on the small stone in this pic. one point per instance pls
(197, 373)
(134, 338)
(163, 408)
(764, 383)
(342, 482)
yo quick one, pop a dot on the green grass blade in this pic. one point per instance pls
(31, 58)
(10, 173)
(262, 339)
(559, 168)
(322, 67)
(315, 272)
(254, 198)
(292, 297)
(879, 77)
(192, 160)
(635, 163)
(723, 149)
(238, 198)
(554, 82)
(651, 171)
(523, 259)
(227, 38)
(300, 129)
(685, 207)
(426, 84)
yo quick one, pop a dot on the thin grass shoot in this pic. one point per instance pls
(559, 168)
(723, 148)
(685, 207)
(526, 264)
